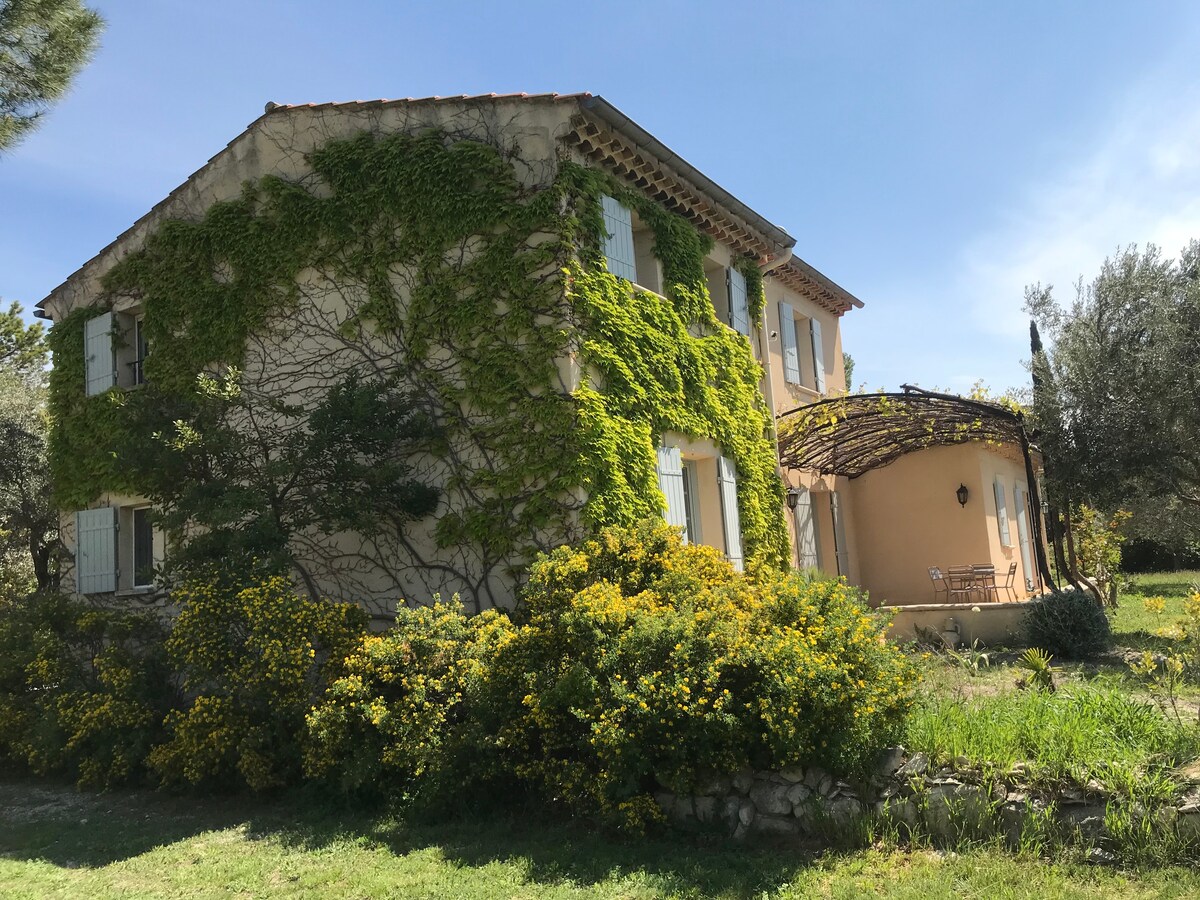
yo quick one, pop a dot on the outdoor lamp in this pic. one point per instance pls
(961, 494)
(793, 497)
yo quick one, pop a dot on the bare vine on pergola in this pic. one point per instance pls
(855, 434)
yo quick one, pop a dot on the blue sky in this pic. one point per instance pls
(933, 158)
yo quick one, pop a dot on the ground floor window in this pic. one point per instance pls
(143, 547)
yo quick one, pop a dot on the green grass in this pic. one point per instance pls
(55, 843)
(1137, 627)
(1085, 731)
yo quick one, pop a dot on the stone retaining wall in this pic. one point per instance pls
(946, 804)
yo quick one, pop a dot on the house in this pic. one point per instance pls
(596, 330)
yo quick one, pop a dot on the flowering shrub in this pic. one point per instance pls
(643, 661)
(253, 656)
(83, 691)
(397, 713)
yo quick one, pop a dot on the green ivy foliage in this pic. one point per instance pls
(374, 206)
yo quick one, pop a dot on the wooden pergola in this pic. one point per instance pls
(858, 433)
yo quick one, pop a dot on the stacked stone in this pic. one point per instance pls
(907, 792)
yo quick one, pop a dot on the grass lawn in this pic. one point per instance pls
(55, 842)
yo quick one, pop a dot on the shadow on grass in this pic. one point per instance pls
(56, 824)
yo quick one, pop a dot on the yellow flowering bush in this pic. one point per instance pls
(644, 661)
(396, 717)
(83, 691)
(253, 653)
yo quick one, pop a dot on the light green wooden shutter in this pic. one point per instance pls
(1020, 508)
(618, 239)
(818, 351)
(739, 303)
(787, 335)
(840, 547)
(808, 551)
(96, 550)
(670, 482)
(727, 482)
(100, 365)
(1001, 512)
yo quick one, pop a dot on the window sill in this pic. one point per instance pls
(138, 591)
(804, 389)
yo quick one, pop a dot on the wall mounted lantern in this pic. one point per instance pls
(962, 493)
(793, 497)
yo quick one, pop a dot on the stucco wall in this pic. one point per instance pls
(907, 518)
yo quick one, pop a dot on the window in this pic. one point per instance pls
(618, 239)
(739, 303)
(691, 498)
(114, 349)
(100, 366)
(143, 548)
(139, 348)
(840, 546)
(787, 336)
(96, 550)
(691, 504)
(114, 549)
(808, 550)
(1001, 512)
(727, 481)
(671, 483)
(818, 353)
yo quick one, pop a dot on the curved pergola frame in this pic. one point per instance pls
(858, 433)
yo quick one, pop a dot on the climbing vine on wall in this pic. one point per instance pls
(425, 257)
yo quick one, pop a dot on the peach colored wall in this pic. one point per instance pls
(1007, 464)
(907, 518)
(789, 396)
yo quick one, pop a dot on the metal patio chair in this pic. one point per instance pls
(985, 581)
(945, 587)
(962, 580)
(1009, 581)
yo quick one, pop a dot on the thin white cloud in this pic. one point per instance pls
(1139, 183)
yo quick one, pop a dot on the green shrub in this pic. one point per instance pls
(396, 718)
(83, 691)
(1068, 624)
(254, 655)
(645, 661)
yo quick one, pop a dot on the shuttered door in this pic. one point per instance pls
(787, 334)
(808, 554)
(840, 547)
(670, 482)
(99, 362)
(727, 482)
(818, 351)
(618, 240)
(1001, 512)
(1020, 509)
(739, 304)
(96, 550)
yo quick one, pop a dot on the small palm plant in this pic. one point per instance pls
(1036, 662)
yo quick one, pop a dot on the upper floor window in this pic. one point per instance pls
(739, 301)
(618, 239)
(794, 331)
(114, 350)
